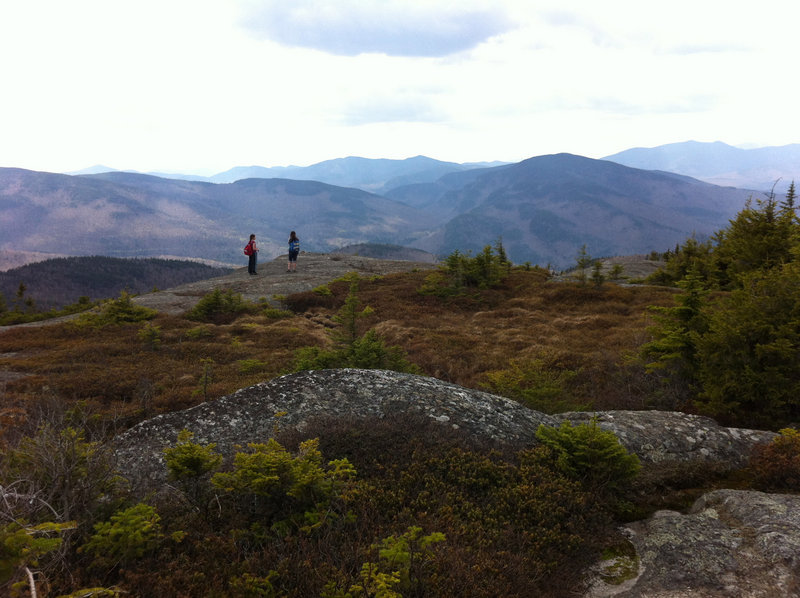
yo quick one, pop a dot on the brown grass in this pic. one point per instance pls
(457, 339)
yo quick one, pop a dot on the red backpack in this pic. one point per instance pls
(248, 249)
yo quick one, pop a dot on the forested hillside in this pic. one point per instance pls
(58, 282)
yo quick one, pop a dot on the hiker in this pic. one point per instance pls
(251, 250)
(294, 249)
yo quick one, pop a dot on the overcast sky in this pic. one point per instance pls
(204, 85)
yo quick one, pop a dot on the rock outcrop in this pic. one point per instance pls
(659, 436)
(249, 415)
(732, 544)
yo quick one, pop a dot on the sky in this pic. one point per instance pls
(201, 86)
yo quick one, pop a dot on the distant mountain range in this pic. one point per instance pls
(543, 208)
(759, 169)
(720, 164)
(374, 175)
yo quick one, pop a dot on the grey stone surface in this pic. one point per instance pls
(732, 544)
(658, 436)
(248, 415)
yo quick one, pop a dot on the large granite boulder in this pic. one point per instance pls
(249, 415)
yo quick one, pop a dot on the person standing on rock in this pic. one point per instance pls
(294, 249)
(251, 250)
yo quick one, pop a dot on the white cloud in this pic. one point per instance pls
(391, 27)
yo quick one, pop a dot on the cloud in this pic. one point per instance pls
(695, 103)
(391, 109)
(391, 27)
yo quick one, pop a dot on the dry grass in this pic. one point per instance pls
(456, 339)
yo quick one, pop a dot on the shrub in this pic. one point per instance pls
(250, 366)
(187, 460)
(58, 471)
(151, 336)
(402, 564)
(351, 350)
(117, 311)
(22, 545)
(199, 332)
(486, 270)
(367, 352)
(273, 313)
(539, 383)
(285, 487)
(130, 534)
(218, 306)
(776, 466)
(590, 455)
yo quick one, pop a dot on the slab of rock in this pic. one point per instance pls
(249, 415)
(732, 544)
(659, 436)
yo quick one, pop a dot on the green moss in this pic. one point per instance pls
(619, 563)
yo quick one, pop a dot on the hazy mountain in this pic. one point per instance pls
(375, 175)
(546, 207)
(720, 163)
(123, 214)
(96, 169)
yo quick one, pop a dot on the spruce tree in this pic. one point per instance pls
(787, 205)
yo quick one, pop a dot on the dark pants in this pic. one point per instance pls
(251, 263)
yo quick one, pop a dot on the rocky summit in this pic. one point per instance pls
(730, 544)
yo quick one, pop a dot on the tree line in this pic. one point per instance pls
(58, 282)
(729, 346)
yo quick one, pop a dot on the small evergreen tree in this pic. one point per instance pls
(352, 349)
(673, 351)
(598, 278)
(788, 203)
(584, 261)
(692, 255)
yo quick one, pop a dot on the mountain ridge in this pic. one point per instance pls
(544, 209)
(762, 168)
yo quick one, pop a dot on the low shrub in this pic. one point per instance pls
(591, 455)
(273, 313)
(130, 534)
(540, 383)
(188, 460)
(367, 352)
(282, 487)
(251, 366)
(459, 271)
(776, 466)
(219, 306)
(117, 311)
